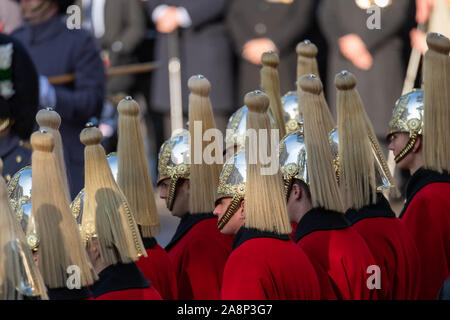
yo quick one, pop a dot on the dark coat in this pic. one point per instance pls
(267, 266)
(57, 50)
(204, 49)
(123, 282)
(392, 246)
(14, 154)
(284, 24)
(21, 108)
(125, 22)
(427, 217)
(342, 274)
(381, 85)
(198, 252)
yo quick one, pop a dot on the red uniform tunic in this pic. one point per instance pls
(427, 217)
(392, 247)
(198, 252)
(123, 282)
(266, 266)
(158, 269)
(338, 253)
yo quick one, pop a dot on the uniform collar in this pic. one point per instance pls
(244, 234)
(149, 243)
(119, 277)
(320, 219)
(7, 144)
(69, 294)
(381, 209)
(420, 179)
(187, 222)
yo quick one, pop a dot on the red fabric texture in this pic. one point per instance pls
(341, 258)
(427, 218)
(269, 269)
(395, 252)
(158, 269)
(198, 259)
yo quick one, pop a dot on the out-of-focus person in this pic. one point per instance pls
(257, 26)
(55, 49)
(19, 98)
(373, 55)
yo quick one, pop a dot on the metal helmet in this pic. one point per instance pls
(77, 204)
(407, 117)
(232, 181)
(292, 155)
(291, 111)
(19, 193)
(237, 127)
(174, 162)
(382, 175)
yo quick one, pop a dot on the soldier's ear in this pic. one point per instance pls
(242, 205)
(417, 145)
(296, 192)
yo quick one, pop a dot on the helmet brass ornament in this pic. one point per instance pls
(232, 181)
(407, 117)
(174, 162)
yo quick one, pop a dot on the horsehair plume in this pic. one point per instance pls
(436, 133)
(133, 175)
(203, 177)
(356, 162)
(306, 59)
(270, 84)
(49, 120)
(265, 207)
(323, 185)
(17, 265)
(60, 244)
(306, 64)
(106, 213)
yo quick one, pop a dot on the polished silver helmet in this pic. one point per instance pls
(292, 155)
(232, 181)
(174, 162)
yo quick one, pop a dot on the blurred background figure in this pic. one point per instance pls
(257, 26)
(10, 16)
(56, 50)
(194, 31)
(119, 26)
(19, 98)
(375, 56)
(432, 16)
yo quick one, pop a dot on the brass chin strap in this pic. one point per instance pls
(172, 192)
(409, 146)
(232, 208)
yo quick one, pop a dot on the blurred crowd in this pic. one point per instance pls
(221, 39)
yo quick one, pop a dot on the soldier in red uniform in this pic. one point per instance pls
(133, 178)
(363, 174)
(198, 250)
(419, 140)
(338, 253)
(109, 230)
(264, 263)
